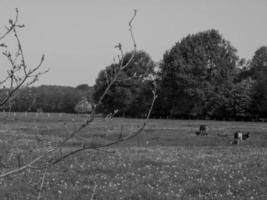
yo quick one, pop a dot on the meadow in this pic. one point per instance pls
(166, 161)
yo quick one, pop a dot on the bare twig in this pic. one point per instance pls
(93, 194)
(28, 76)
(42, 183)
(13, 25)
(122, 66)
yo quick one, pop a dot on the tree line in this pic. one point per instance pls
(48, 98)
(201, 76)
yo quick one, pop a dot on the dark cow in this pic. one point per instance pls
(240, 136)
(197, 132)
(202, 130)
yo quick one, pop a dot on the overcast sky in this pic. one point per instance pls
(78, 36)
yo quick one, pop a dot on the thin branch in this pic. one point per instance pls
(13, 25)
(27, 166)
(27, 74)
(121, 63)
(93, 194)
(42, 183)
(16, 81)
(20, 51)
(4, 80)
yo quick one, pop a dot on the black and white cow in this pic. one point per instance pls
(240, 136)
(202, 130)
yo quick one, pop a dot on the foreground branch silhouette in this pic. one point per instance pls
(19, 73)
(48, 157)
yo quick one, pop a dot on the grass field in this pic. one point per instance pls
(167, 161)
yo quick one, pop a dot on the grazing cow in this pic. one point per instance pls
(202, 130)
(197, 132)
(240, 136)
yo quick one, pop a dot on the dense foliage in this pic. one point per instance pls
(131, 93)
(194, 71)
(258, 71)
(201, 76)
(49, 98)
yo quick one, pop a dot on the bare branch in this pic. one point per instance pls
(13, 24)
(14, 74)
(42, 183)
(121, 62)
(93, 194)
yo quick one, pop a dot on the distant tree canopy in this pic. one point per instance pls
(195, 69)
(49, 98)
(232, 102)
(130, 93)
(201, 76)
(258, 64)
(258, 71)
(83, 87)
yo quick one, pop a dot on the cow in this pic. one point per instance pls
(197, 132)
(240, 136)
(202, 130)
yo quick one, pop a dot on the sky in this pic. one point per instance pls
(78, 36)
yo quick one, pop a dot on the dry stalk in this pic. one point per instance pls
(42, 183)
(94, 190)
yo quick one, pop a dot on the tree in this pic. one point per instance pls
(86, 91)
(127, 93)
(83, 106)
(24, 100)
(195, 69)
(259, 97)
(69, 99)
(258, 63)
(233, 102)
(258, 71)
(83, 87)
